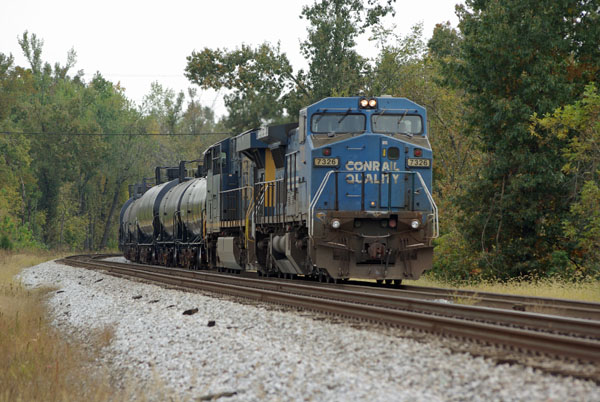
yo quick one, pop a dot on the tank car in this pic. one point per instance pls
(343, 193)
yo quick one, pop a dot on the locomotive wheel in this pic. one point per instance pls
(379, 281)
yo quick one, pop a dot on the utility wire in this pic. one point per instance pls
(37, 133)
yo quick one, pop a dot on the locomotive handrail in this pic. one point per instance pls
(267, 182)
(269, 193)
(436, 223)
(313, 203)
(236, 189)
(247, 189)
(325, 180)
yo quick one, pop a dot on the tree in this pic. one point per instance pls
(125, 157)
(519, 58)
(164, 106)
(258, 78)
(196, 118)
(579, 124)
(335, 66)
(63, 179)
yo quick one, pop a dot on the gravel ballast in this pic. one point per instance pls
(248, 351)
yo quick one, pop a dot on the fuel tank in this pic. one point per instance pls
(148, 206)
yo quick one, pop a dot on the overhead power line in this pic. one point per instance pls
(39, 133)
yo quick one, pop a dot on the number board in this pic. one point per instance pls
(418, 162)
(326, 162)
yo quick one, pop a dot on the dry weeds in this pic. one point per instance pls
(38, 363)
(587, 290)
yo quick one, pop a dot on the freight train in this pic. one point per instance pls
(344, 193)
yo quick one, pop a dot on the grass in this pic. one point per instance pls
(587, 290)
(37, 363)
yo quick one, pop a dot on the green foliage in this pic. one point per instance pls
(519, 58)
(14, 236)
(5, 243)
(163, 106)
(445, 48)
(336, 69)
(579, 125)
(64, 186)
(258, 78)
(454, 261)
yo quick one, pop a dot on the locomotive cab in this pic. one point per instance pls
(371, 213)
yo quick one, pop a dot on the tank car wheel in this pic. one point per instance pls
(397, 283)
(380, 281)
(388, 281)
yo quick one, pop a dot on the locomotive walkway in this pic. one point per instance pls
(545, 334)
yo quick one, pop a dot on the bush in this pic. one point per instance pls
(17, 237)
(5, 243)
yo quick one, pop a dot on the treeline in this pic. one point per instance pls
(63, 181)
(512, 104)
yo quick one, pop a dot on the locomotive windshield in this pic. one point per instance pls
(397, 123)
(337, 123)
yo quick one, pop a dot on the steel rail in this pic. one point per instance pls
(513, 298)
(534, 304)
(570, 308)
(522, 338)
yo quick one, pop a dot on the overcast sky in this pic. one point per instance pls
(136, 42)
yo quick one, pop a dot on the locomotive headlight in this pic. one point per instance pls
(336, 224)
(372, 103)
(363, 103)
(415, 224)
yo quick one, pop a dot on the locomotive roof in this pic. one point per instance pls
(383, 103)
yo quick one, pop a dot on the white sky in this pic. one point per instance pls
(136, 42)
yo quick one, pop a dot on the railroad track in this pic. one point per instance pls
(539, 333)
(534, 304)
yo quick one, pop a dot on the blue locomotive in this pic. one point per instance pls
(343, 193)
